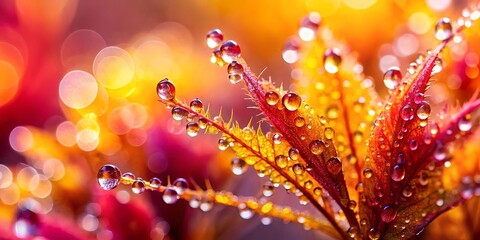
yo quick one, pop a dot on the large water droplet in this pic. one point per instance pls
(223, 144)
(239, 166)
(180, 185)
(155, 183)
(329, 133)
(192, 129)
(332, 60)
(170, 196)
(281, 161)
(291, 101)
(128, 176)
(294, 154)
(230, 51)
(217, 58)
(196, 105)
(214, 38)
(298, 168)
(392, 78)
(108, 177)
(368, 173)
(290, 52)
(309, 27)
(443, 29)
(166, 90)
(235, 72)
(398, 173)
(299, 121)
(317, 146)
(423, 111)
(138, 186)
(389, 213)
(407, 113)
(272, 98)
(179, 113)
(334, 166)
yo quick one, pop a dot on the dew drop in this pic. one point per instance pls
(317, 146)
(277, 138)
(398, 173)
(443, 29)
(235, 72)
(299, 121)
(180, 185)
(179, 113)
(329, 133)
(389, 213)
(267, 189)
(465, 124)
(217, 58)
(413, 145)
(202, 123)
(194, 202)
(138, 186)
(294, 154)
(170, 196)
(352, 231)
(108, 177)
(239, 166)
(291, 101)
(298, 168)
(196, 105)
(351, 204)
(423, 111)
(192, 129)
(418, 98)
(440, 153)
(368, 173)
(309, 27)
(155, 183)
(373, 234)
(230, 51)
(266, 220)
(272, 98)
(281, 161)
(392, 78)
(214, 38)
(308, 184)
(206, 204)
(290, 52)
(407, 113)
(245, 212)
(248, 133)
(401, 158)
(437, 66)
(166, 90)
(223, 144)
(334, 166)
(128, 176)
(332, 60)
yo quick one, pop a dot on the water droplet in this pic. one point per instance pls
(368, 173)
(192, 129)
(443, 29)
(298, 168)
(423, 111)
(329, 133)
(222, 144)
(272, 98)
(294, 154)
(352, 232)
(170, 196)
(308, 184)
(440, 153)
(401, 158)
(434, 129)
(392, 78)
(206, 204)
(230, 51)
(291, 101)
(194, 202)
(217, 58)
(465, 124)
(398, 173)
(180, 185)
(245, 212)
(418, 98)
(351, 204)
(317, 147)
(373, 234)
(281, 161)
(155, 183)
(407, 113)
(196, 105)
(179, 113)
(235, 72)
(332, 60)
(438, 66)
(26, 223)
(277, 138)
(317, 191)
(166, 90)
(239, 166)
(266, 220)
(267, 189)
(248, 133)
(334, 166)
(309, 27)
(214, 38)
(389, 213)
(413, 145)
(108, 177)
(138, 186)
(290, 52)
(128, 176)
(359, 187)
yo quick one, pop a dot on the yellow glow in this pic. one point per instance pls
(66, 133)
(9, 81)
(113, 67)
(359, 4)
(78, 89)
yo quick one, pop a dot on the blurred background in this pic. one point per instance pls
(77, 91)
